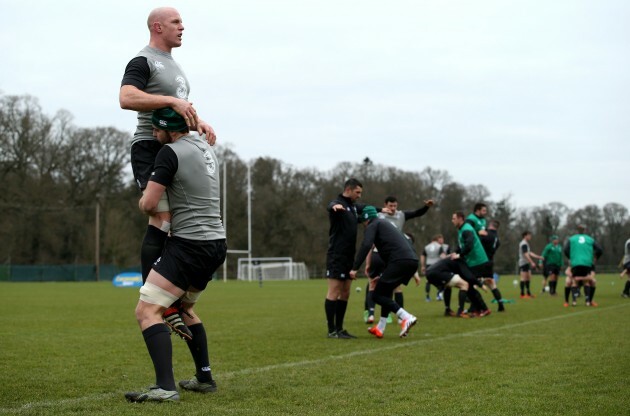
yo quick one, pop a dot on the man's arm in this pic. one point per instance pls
(420, 211)
(469, 241)
(132, 97)
(150, 197)
(423, 259)
(166, 165)
(597, 250)
(366, 246)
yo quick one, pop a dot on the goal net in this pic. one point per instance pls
(270, 268)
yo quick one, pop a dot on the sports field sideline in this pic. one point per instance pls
(74, 348)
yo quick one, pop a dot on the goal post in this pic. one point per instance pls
(271, 268)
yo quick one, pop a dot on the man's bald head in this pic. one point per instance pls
(159, 15)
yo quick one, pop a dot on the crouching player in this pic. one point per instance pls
(452, 272)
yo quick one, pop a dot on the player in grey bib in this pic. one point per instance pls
(186, 168)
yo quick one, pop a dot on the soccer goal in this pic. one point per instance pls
(270, 268)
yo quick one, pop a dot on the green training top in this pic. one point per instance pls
(477, 223)
(552, 254)
(476, 254)
(581, 249)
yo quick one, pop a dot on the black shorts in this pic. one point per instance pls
(482, 270)
(377, 265)
(440, 278)
(581, 271)
(399, 272)
(143, 155)
(550, 269)
(188, 263)
(627, 266)
(338, 267)
(524, 268)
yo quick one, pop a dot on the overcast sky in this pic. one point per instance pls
(529, 98)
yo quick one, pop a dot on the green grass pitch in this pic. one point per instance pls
(75, 348)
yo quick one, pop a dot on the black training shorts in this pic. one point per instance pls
(338, 267)
(377, 265)
(581, 271)
(143, 155)
(525, 268)
(399, 272)
(188, 263)
(550, 269)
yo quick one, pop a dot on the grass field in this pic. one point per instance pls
(74, 348)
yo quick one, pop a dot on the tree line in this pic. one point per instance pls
(58, 179)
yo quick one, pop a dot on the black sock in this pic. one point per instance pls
(522, 288)
(527, 287)
(158, 340)
(462, 301)
(593, 292)
(370, 302)
(497, 295)
(575, 291)
(400, 299)
(198, 347)
(447, 297)
(552, 287)
(476, 301)
(330, 306)
(587, 293)
(151, 249)
(340, 313)
(626, 289)
(427, 289)
(567, 291)
(366, 303)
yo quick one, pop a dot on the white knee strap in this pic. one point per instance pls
(155, 295)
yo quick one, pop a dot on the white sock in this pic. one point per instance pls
(382, 323)
(403, 314)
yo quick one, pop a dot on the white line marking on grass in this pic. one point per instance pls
(255, 370)
(405, 344)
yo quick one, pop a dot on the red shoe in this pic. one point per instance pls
(370, 319)
(375, 331)
(593, 304)
(484, 313)
(463, 315)
(565, 304)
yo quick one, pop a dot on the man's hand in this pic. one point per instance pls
(337, 207)
(429, 202)
(205, 128)
(186, 110)
(353, 274)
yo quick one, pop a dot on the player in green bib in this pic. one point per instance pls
(552, 263)
(471, 250)
(582, 251)
(477, 219)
